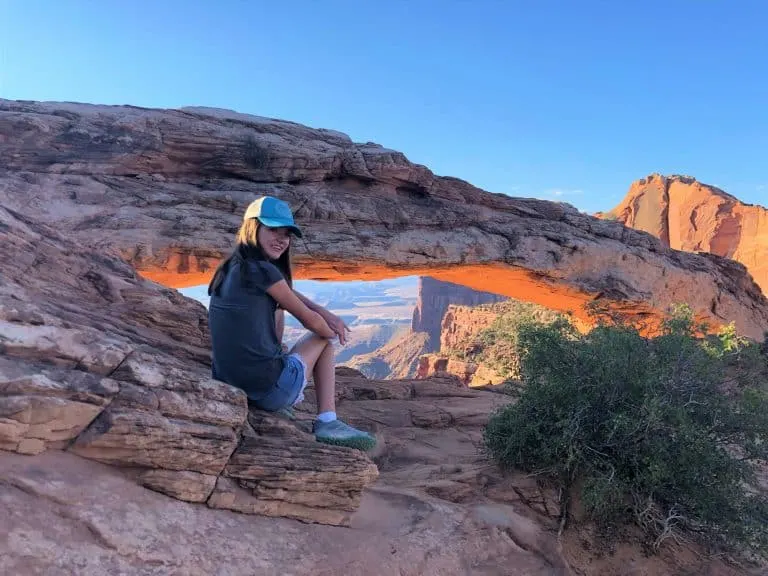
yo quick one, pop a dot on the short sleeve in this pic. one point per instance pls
(262, 275)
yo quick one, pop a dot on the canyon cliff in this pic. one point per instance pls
(459, 346)
(688, 215)
(477, 343)
(434, 299)
(400, 357)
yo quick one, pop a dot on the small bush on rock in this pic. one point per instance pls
(498, 342)
(661, 432)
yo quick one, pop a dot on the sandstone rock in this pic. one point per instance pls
(166, 189)
(434, 300)
(112, 367)
(127, 437)
(355, 388)
(441, 387)
(166, 416)
(52, 525)
(688, 215)
(283, 471)
(451, 491)
(468, 373)
(42, 406)
(182, 485)
(72, 348)
(303, 480)
(346, 371)
(30, 446)
(461, 326)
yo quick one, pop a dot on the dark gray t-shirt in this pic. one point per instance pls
(246, 350)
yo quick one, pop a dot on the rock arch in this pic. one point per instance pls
(166, 188)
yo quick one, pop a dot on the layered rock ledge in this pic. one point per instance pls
(97, 361)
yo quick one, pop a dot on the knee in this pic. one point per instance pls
(319, 339)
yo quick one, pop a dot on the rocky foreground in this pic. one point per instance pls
(438, 507)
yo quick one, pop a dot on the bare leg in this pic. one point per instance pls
(318, 356)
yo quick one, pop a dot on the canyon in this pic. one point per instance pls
(460, 330)
(401, 356)
(434, 299)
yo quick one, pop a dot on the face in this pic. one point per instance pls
(273, 241)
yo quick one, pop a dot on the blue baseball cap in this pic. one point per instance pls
(273, 213)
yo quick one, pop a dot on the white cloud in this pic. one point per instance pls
(560, 192)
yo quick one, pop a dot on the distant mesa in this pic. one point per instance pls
(435, 297)
(687, 215)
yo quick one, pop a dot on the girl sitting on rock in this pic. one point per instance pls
(249, 292)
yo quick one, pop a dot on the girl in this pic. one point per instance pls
(247, 326)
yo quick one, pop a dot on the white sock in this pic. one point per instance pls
(326, 416)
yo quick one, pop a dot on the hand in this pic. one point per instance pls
(338, 326)
(285, 348)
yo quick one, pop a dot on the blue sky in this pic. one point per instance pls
(569, 99)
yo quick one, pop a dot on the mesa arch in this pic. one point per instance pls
(166, 189)
(507, 281)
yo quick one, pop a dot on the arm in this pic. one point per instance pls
(309, 318)
(338, 325)
(311, 305)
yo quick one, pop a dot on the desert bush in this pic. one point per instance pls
(498, 342)
(661, 432)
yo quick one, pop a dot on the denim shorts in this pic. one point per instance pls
(289, 388)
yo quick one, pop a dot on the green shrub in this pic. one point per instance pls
(661, 432)
(498, 342)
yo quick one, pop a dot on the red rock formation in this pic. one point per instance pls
(470, 358)
(462, 324)
(434, 299)
(398, 358)
(472, 374)
(458, 336)
(459, 332)
(688, 215)
(166, 190)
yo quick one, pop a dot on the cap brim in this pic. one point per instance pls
(275, 223)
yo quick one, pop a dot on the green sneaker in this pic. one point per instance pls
(340, 434)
